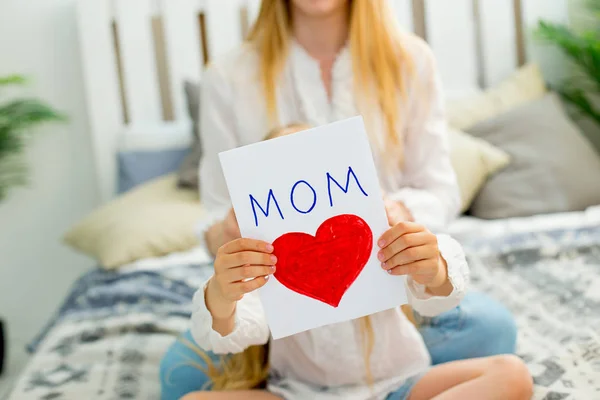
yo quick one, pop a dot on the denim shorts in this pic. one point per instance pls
(287, 389)
(403, 392)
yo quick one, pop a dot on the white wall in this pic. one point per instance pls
(38, 38)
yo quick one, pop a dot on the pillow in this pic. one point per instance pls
(152, 220)
(474, 160)
(188, 170)
(140, 166)
(589, 127)
(525, 85)
(553, 167)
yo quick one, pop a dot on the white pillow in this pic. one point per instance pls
(474, 160)
(152, 220)
(525, 85)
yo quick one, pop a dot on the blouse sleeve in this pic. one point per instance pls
(250, 329)
(217, 134)
(458, 273)
(431, 190)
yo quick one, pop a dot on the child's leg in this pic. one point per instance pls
(491, 378)
(237, 395)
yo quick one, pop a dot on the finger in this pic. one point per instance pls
(245, 244)
(391, 218)
(250, 286)
(232, 228)
(404, 242)
(398, 230)
(421, 268)
(240, 259)
(248, 272)
(411, 255)
(233, 224)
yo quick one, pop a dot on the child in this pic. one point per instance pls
(381, 356)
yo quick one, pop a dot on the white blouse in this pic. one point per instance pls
(328, 362)
(233, 113)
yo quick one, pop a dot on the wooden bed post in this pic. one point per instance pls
(137, 54)
(103, 100)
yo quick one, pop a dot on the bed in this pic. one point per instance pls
(107, 338)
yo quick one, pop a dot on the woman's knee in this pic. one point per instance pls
(181, 369)
(514, 375)
(195, 396)
(488, 320)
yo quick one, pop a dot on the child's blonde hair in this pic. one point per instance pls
(286, 130)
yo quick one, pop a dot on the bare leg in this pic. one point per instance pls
(490, 378)
(234, 395)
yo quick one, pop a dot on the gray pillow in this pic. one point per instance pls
(590, 129)
(137, 167)
(553, 166)
(187, 176)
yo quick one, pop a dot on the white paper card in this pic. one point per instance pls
(282, 191)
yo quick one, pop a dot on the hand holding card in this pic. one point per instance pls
(315, 196)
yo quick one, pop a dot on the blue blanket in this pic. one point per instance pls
(100, 294)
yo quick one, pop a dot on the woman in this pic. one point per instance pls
(318, 62)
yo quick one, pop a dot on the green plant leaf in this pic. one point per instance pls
(13, 172)
(17, 117)
(23, 114)
(12, 80)
(583, 50)
(583, 89)
(10, 142)
(578, 98)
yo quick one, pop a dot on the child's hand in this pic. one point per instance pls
(241, 266)
(410, 249)
(222, 232)
(231, 229)
(396, 212)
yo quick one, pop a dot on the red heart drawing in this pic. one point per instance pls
(324, 266)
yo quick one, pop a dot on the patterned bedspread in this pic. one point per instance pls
(107, 340)
(109, 336)
(551, 282)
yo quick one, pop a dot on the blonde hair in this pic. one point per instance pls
(379, 60)
(285, 130)
(380, 65)
(242, 371)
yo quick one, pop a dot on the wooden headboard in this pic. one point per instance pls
(137, 54)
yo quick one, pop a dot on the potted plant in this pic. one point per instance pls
(582, 89)
(17, 118)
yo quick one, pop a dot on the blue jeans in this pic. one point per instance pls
(478, 327)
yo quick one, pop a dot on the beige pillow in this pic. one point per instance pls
(474, 160)
(150, 221)
(527, 84)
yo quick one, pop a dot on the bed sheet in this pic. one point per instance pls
(466, 227)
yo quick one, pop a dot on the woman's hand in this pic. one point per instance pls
(223, 232)
(410, 249)
(241, 266)
(396, 212)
